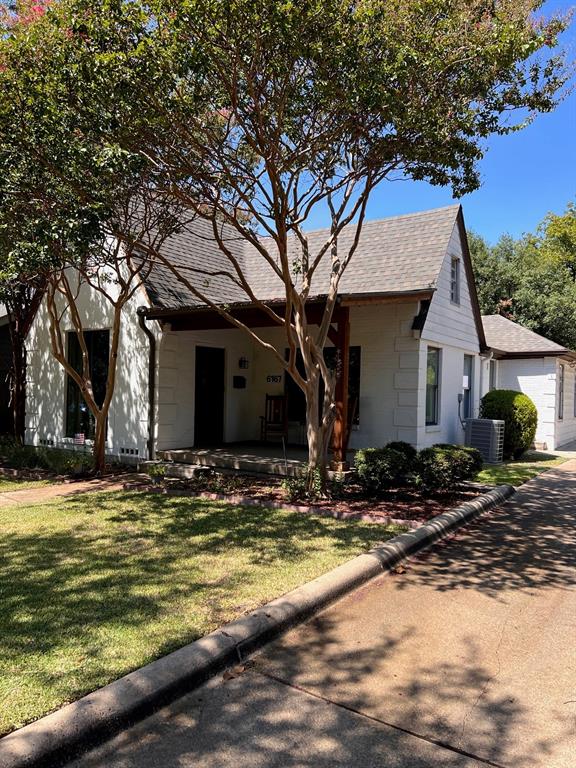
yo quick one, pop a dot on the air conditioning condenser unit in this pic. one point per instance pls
(487, 435)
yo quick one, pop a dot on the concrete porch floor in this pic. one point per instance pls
(266, 459)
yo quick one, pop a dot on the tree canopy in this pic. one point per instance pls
(532, 279)
(252, 114)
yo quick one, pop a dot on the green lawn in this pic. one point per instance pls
(8, 484)
(96, 585)
(519, 471)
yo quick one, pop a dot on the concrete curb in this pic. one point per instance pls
(58, 737)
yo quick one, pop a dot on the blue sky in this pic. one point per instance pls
(524, 175)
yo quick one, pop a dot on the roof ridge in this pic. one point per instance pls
(368, 222)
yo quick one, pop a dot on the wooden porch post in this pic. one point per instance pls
(340, 432)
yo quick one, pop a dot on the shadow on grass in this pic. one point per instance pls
(109, 563)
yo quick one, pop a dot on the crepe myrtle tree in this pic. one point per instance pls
(62, 199)
(112, 271)
(61, 265)
(257, 116)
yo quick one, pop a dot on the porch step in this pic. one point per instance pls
(219, 458)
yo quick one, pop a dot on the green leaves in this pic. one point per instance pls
(532, 280)
(236, 103)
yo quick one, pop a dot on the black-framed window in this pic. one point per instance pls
(296, 400)
(79, 419)
(455, 281)
(561, 392)
(433, 386)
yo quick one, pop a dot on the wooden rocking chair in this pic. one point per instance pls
(274, 423)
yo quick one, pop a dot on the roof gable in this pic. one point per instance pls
(401, 254)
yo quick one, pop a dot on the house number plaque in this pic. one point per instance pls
(274, 378)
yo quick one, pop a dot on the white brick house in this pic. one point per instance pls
(545, 371)
(416, 340)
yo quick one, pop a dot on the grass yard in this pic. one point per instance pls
(520, 470)
(8, 483)
(96, 585)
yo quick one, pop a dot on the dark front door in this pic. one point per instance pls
(209, 398)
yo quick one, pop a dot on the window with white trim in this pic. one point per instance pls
(561, 392)
(433, 386)
(493, 375)
(467, 379)
(455, 281)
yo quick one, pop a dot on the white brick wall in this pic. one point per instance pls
(537, 379)
(46, 379)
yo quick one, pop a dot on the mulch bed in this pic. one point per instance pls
(397, 506)
(26, 474)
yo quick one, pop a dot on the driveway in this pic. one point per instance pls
(465, 659)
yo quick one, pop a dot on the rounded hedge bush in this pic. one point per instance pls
(519, 414)
(382, 468)
(442, 467)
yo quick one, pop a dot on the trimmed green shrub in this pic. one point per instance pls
(467, 461)
(382, 468)
(443, 466)
(408, 450)
(519, 414)
(17, 455)
(57, 460)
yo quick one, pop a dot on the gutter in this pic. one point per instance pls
(141, 312)
(344, 299)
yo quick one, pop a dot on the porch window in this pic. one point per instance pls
(455, 281)
(561, 392)
(432, 386)
(467, 380)
(295, 396)
(79, 419)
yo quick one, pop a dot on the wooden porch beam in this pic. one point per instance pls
(340, 432)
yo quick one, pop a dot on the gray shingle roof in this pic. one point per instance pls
(510, 338)
(394, 255)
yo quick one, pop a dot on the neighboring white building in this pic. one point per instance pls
(545, 371)
(416, 340)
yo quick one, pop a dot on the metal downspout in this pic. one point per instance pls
(141, 312)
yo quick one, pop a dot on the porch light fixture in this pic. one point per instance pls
(243, 363)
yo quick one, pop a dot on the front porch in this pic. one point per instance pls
(214, 384)
(268, 459)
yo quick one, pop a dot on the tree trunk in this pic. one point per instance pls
(317, 441)
(99, 450)
(18, 386)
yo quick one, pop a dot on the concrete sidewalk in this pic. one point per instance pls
(466, 659)
(42, 493)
